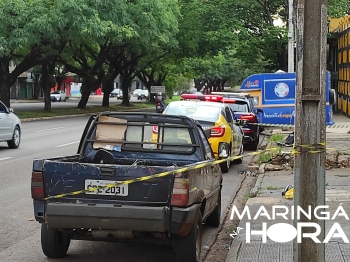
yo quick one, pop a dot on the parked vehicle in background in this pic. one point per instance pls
(10, 127)
(58, 96)
(219, 122)
(243, 106)
(164, 208)
(136, 92)
(117, 93)
(197, 92)
(275, 94)
(143, 94)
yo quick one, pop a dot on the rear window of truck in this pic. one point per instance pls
(119, 135)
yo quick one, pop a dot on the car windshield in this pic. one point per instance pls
(55, 92)
(242, 107)
(195, 111)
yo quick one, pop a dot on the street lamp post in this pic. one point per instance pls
(310, 124)
(290, 37)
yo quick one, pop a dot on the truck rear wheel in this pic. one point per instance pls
(214, 218)
(54, 243)
(188, 248)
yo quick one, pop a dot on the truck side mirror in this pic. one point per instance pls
(207, 133)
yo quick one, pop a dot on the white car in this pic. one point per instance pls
(118, 93)
(143, 94)
(10, 127)
(58, 96)
(136, 92)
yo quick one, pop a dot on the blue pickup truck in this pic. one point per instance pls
(110, 190)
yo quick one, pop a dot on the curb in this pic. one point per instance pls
(53, 117)
(232, 254)
(71, 116)
(255, 190)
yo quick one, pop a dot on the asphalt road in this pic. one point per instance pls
(19, 106)
(20, 234)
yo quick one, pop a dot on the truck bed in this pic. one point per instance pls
(68, 174)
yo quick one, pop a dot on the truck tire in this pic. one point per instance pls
(239, 160)
(54, 243)
(254, 144)
(225, 166)
(214, 218)
(188, 248)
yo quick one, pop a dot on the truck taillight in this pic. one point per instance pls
(37, 186)
(180, 191)
(217, 131)
(249, 118)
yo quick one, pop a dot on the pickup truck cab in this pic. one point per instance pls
(123, 186)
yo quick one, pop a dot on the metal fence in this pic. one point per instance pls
(343, 99)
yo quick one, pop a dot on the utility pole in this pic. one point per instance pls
(310, 124)
(290, 37)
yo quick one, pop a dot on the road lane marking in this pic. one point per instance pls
(71, 143)
(49, 129)
(4, 158)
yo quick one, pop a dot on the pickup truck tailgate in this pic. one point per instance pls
(62, 178)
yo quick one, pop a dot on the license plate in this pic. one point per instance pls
(158, 107)
(119, 190)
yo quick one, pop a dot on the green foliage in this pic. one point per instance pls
(273, 188)
(338, 8)
(264, 158)
(170, 40)
(276, 138)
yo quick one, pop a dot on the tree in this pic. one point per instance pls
(260, 38)
(156, 28)
(22, 25)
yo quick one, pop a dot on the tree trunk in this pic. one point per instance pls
(4, 93)
(108, 86)
(4, 83)
(85, 94)
(37, 86)
(89, 84)
(36, 90)
(125, 83)
(47, 99)
(47, 82)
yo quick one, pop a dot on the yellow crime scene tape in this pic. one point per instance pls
(297, 149)
(290, 125)
(171, 172)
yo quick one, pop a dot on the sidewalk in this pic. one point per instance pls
(270, 185)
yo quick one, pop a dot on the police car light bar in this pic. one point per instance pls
(231, 94)
(189, 96)
(211, 98)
